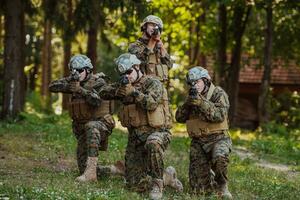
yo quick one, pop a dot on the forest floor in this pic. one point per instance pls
(37, 161)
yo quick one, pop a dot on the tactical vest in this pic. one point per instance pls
(133, 115)
(82, 111)
(198, 128)
(154, 67)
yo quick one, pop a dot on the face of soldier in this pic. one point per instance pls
(200, 85)
(132, 76)
(150, 30)
(83, 74)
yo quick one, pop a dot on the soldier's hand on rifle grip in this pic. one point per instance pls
(125, 90)
(75, 86)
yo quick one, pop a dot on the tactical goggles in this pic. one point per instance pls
(127, 72)
(80, 70)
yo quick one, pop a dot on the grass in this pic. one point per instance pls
(37, 161)
(271, 147)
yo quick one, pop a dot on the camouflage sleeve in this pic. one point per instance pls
(60, 85)
(150, 98)
(92, 96)
(167, 61)
(108, 91)
(182, 113)
(140, 51)
(216, 110)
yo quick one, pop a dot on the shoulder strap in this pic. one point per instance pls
(211, 91)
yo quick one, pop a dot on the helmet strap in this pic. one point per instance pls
(206, 86)
(138, 73)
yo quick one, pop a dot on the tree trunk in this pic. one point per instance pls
(14, 85)
(92, 34)
(221, 54)
(196, 57)
(240, 19)
(1, 28)
(67, 51)
(263, 100)
(46, 65)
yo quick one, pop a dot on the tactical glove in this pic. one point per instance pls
(125, 90)
(75, 86)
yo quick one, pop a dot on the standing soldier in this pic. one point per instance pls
(92, 119)
(144, 115)
(150, 50)
(205, 113)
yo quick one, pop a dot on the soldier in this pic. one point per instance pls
(144, 114)
(92, 120)
(205, 113)
(150, 50)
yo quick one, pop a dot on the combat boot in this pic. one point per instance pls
(156, 190)
(223, 192)
(118, 168)
(90, 173)
(170, 179)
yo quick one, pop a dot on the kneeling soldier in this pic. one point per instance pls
(92, 120)
(205, 113)
(144, 113)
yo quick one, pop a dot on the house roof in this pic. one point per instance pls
(288, 73)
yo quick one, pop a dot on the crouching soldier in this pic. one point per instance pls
(205, 113)
(92, 120)
(144, 113)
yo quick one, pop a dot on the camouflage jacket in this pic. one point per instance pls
(140, 49)
(149, 93)
(88, 90)
(212, 110)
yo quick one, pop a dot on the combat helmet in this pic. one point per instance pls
(196, 73)
(80, 61)
(126, 61)
(152, 19)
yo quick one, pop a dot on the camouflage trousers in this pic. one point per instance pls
(144, 157)
(207, 155)
(91, 137)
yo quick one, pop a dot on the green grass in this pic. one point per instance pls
(271, 147)
(37, 161)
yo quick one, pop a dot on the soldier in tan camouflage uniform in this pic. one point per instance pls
(92, 120)
(144, 114)
(205, 113)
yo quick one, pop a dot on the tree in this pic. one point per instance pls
(196, 57)
(14, 78)
(49, 7)
(239, 22)
(222, 45)
(263, 106)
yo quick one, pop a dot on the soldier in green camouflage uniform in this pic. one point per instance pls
(92, 120)
(205, 113)
(150, 50)
(143, 113)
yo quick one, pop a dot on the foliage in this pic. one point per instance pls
(286, 110)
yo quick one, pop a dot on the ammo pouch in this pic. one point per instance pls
(197, 127)
(133, 116)
(81, 110)
(155, 68)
